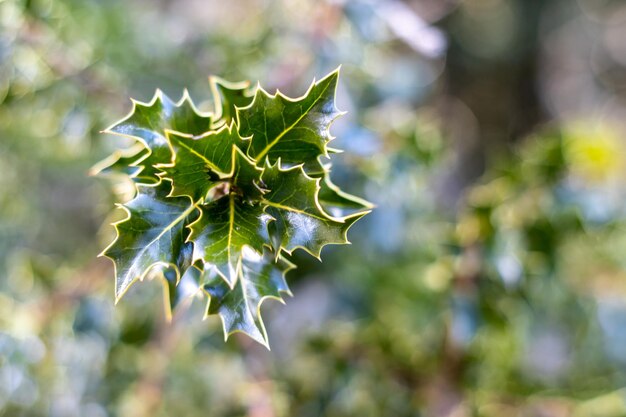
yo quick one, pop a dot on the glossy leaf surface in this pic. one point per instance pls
(229, 198)
(296, 131)
(153, 234)
(148, 123)
(224, 228)
(259, 278)
(200, 162)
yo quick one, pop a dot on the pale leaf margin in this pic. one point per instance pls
(264, 340)
(158, 95)
(348, 219)
(260, 90)
(150, 268)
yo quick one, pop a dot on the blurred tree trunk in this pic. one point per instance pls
(497, 81)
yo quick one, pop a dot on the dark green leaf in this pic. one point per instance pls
(121, 162)
(225, 226)
(339, 203)
(259, 278)
(153, 234)
(177, 290)
(231, 196)
(228, 96)
(149, 172)
(294, 130)
(147, 122)
(201, 162)
(300, 222)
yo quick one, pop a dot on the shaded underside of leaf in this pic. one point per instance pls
(337, 202)
(121, 162)
(176, 290)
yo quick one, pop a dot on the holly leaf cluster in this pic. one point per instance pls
(223, 198)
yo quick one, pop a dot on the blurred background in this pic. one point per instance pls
(490, 280)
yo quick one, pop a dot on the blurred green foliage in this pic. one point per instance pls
(488, 282)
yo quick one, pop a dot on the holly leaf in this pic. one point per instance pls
(298, 218)
(149, 172)
(153, 235)
(121, 162)
(228, 96)
(225, 227)
(138, 162)
(259, 277)
(178, 289)
(294, 130)
(147, 123)
(201, 162)
(222, 200)
(337, 202)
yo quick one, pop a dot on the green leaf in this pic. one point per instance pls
(176, 290)
(201, 162)
(259, 278)
(292, 230)
(224, 228)
(229, 197)
(299, 220)
(228, 96)
(152, 235)
(339, 203)
(294, 130)
(147, 123)
(245, 180)
(121, 162)
(137, 162)
(150, 172)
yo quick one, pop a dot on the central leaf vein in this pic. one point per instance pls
(284, 132)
